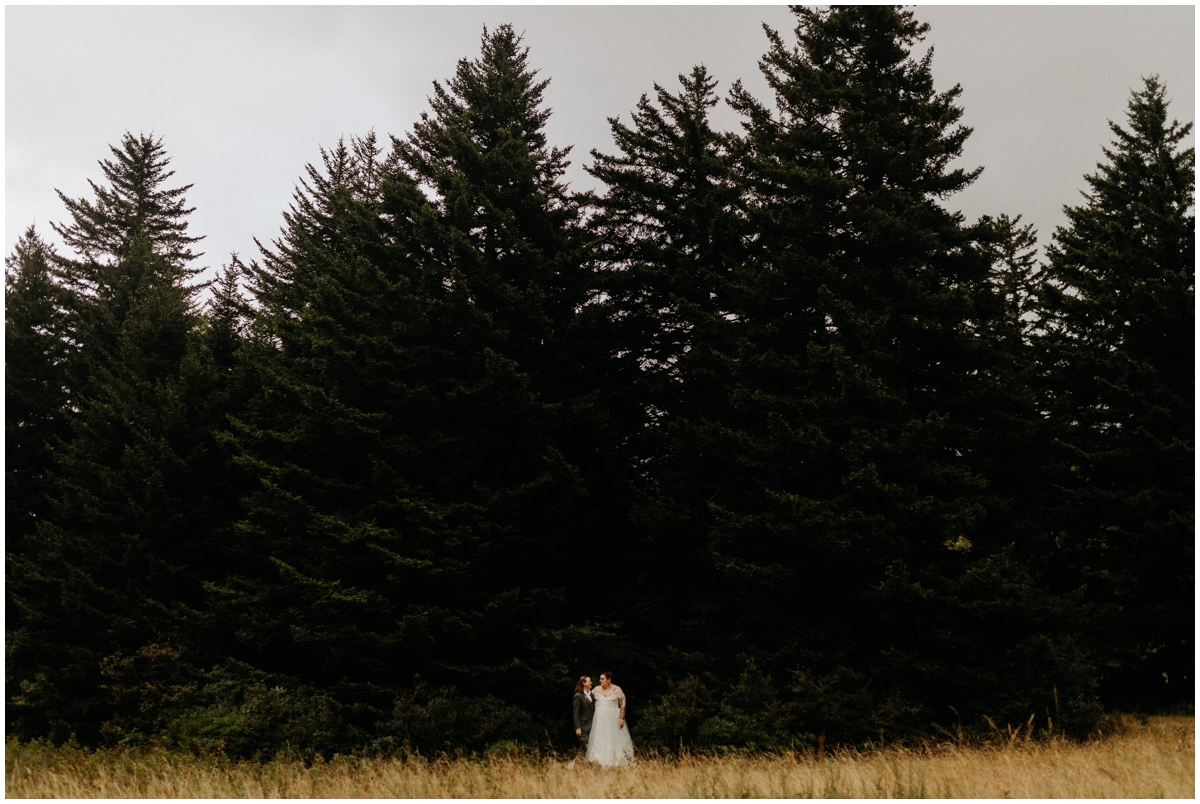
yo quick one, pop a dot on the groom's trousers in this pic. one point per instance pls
(583, 743)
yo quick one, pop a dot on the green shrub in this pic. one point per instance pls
(157, 698)
(676, 718)
(266, 722)
(748, 715)
(440, 720)
(147, 689)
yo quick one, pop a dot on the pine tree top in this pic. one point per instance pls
(670, 143)
(487, 124)
(32, 300)
(1147, 177)
(1130, 249)
(134, 201)
(853, 98)
(29, 255)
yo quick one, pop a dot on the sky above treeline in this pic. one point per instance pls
(243, 97)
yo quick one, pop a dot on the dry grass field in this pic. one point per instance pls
(1143, 758)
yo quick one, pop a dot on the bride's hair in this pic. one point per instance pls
(607, 675)
(579, 683)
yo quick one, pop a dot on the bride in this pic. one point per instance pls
(609, 743)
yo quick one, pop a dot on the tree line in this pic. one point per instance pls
(762, 426)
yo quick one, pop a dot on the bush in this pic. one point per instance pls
(749, 715)
(265, 722)
(146, 690)
(439, 720)
(676, 718)
(159, 699)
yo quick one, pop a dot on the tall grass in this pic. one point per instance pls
(1144, 758)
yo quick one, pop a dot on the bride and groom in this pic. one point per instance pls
(600, 723)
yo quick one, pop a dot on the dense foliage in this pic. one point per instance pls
(762, 426)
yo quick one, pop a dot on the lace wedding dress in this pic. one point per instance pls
(608, 744)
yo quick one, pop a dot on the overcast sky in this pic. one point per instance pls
(243, 97)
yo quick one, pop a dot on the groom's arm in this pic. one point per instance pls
(576, 707)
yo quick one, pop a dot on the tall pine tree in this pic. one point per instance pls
(506, 260)
(672, 231)
(413, 500)
(323, 443)
(1118, 299)
(35, 400)
(110, 567)
(852, 528)
(134, 199)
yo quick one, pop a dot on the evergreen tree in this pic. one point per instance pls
(322, 440)
(101, 234)
(1014, 277)
(35, 412)
(411, 495)
(505, 258)
(1019, 441)
(219, 382)
(228, 315)
(1119, 351)
(503, 235)
(672, 227)
(851, 525)
(505, 218)
(671, 238)
(112, 566)
(669, 222)
(35, 399)
(134, 200)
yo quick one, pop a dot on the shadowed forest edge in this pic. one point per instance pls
(798, 453)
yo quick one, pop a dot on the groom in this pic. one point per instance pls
(582, 707)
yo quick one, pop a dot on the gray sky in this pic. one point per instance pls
(243, 97)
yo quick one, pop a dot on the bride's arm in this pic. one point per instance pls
(621, 700)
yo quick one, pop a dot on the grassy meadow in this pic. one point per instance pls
(1138, 758)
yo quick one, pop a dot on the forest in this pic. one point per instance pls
(762, 427)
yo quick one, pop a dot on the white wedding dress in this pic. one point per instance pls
(609, 745)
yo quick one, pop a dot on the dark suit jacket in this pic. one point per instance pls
(582, 709)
